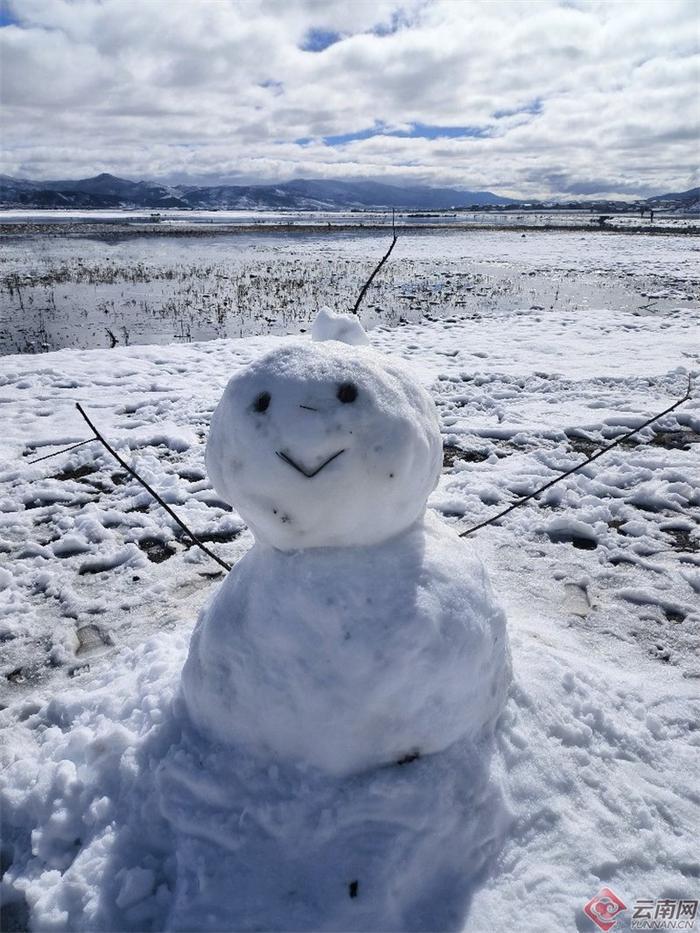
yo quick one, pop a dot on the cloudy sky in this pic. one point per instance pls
(529, 99)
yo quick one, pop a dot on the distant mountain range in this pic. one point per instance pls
(686, 199)
(108, 191)
(105, 191)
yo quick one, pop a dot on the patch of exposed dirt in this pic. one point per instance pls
(156, 550)
(682, 540)
(77, 473)
(451, 453)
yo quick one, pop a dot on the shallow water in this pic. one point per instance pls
(357, 218)
(65, 291)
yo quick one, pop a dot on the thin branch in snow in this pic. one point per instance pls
(152, 491)
(377, 268)
(65, 450)
(599, 453)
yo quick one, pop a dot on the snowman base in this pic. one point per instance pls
(287, 847)
(338, 710)
(346, 659)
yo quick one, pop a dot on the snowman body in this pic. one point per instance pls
(350, 658)
(358, 631)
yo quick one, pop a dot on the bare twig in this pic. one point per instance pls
(377, 268)
(65, 450)
(152, 491)
(558, 479)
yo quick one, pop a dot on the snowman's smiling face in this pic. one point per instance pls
(320, 445)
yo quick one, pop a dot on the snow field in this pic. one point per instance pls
(598, 747)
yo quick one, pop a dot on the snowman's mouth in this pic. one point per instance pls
(300, 469)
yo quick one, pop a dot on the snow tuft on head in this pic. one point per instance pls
(341, 327)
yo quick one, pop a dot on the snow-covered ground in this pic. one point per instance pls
(598, 748)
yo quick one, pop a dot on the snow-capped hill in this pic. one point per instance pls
(100, 191)
(107, 190)
(679, 200)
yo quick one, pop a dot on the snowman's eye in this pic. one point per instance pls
(261, 402)
(347, 392)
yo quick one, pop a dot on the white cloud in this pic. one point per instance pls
(567, 97)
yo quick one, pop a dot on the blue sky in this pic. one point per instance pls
(7, 16)
(316, 40)
(414, 131)
(530, 99)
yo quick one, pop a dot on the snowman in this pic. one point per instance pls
(359, 631)
(338, 701)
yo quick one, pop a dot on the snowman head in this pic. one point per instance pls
(325, 445)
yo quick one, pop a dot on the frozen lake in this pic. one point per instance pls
(86, 292)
